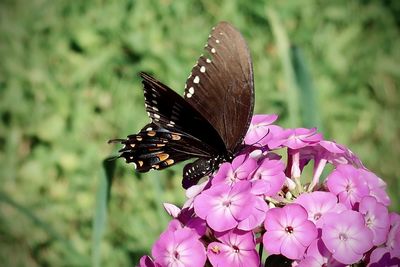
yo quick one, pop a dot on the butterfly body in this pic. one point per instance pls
(208, 123)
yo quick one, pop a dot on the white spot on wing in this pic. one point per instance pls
(196, 79)
(155, 109)
(156, 116)
(191, 90)
(188, 95)
(203, 69)
(217, 41)
(213, 50)
(208, 60)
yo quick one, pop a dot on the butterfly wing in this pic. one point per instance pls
(220, 86)
(169, 110)
(157, 148)
(177, 131)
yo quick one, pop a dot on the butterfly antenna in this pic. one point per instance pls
(117, 140)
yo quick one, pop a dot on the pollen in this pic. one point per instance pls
(215, 249)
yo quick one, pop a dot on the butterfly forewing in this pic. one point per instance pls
(169, 110)
(220, 86)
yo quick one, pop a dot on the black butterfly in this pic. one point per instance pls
(209, 122)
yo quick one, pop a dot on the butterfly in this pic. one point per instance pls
(208, 123)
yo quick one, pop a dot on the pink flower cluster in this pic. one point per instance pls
(289, 193)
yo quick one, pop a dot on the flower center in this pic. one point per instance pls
(176, 255)
(349, 188)
(226, 203)
(342, 237)
(317, 216)
(370, 220)
(235, 249)
(289, 229)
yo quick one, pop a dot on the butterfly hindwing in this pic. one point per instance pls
(221, 86)
(157, 148)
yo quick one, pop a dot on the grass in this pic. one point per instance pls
(68, 83)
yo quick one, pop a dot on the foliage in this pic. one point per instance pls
(68, 83)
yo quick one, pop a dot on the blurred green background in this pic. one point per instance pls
(68, 83)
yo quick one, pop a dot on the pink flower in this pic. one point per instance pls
(295, 138)
(389, 254)
(146, 261)
(256, 217)
(269, 177)
(346, 236)
(318, 255)
(376, 218)
(172, 210)
(260, 130)
(179, 247)
(319, 203)
(236, 248)
(223, 207)
(288, 232)
(240, 169)
(346, 183)
(377, 187)
(187, 218)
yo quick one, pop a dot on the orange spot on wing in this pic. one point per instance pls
(163, 156)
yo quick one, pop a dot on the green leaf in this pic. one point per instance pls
(308, 106)
(100, 218)
(283, 44)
